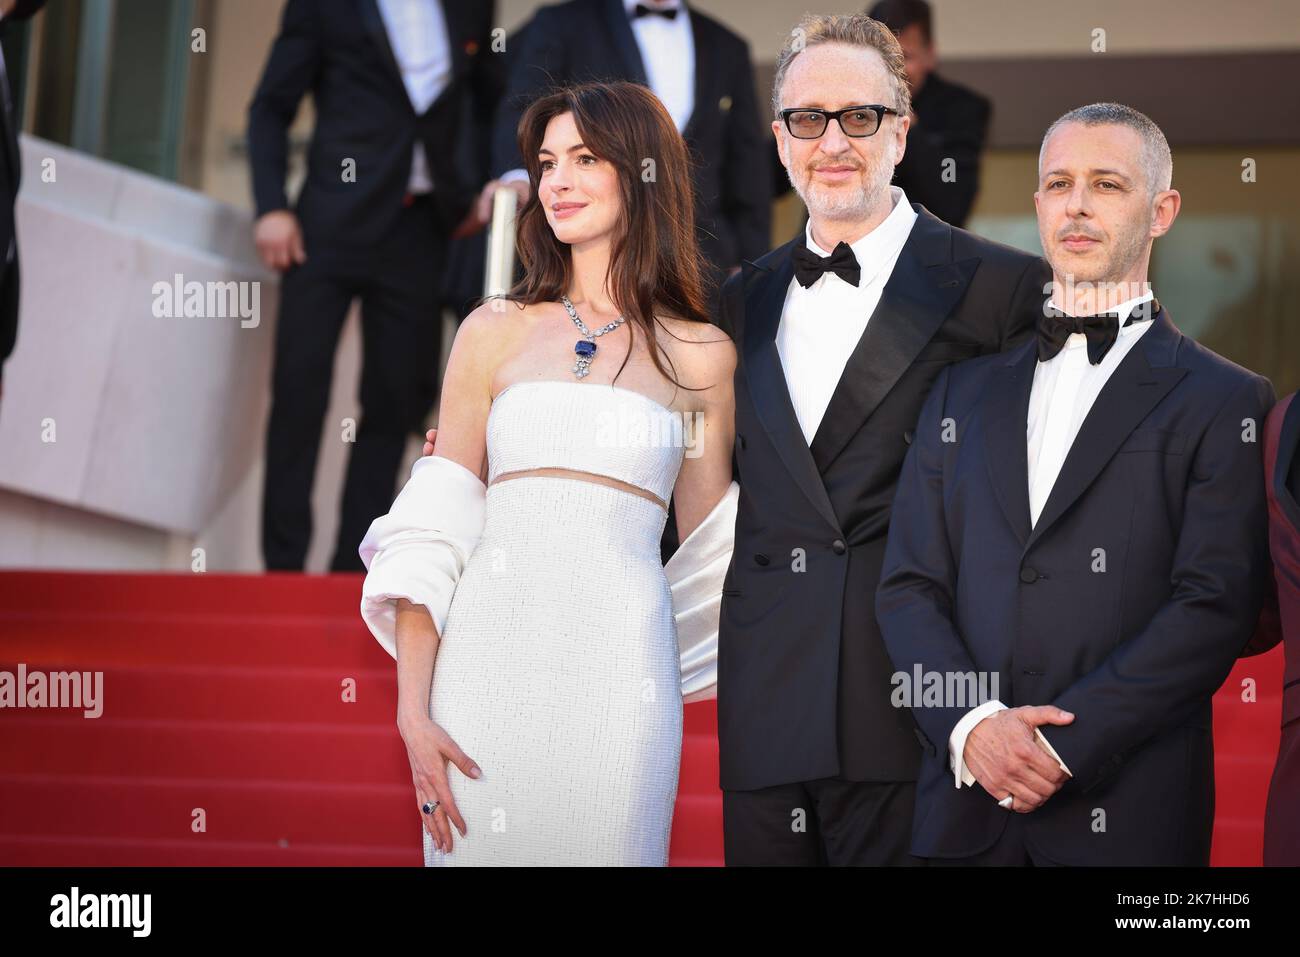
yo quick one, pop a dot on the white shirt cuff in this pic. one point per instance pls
(957, 740)
(1038, 733)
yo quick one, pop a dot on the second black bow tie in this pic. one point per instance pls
(809, 267)
(641, 10)
(1101, 330)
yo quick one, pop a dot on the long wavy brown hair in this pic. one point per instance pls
(655, 264)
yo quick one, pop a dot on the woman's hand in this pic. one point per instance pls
(429, 748)
(429, 436)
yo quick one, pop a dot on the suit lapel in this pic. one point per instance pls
(764, 299)
(459, 36)
(10, 121)
(374, 23)
(920, 293)
(620, 30)
(1139, 382)
(706, 69)
(455, 16)
(1006, 451)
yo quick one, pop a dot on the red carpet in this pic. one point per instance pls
(223, 704)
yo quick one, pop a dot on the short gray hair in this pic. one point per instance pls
(854, 30)
(1157, 161)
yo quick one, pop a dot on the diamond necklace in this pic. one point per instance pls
(585, 349)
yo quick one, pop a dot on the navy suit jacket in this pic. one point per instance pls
(1126, 604)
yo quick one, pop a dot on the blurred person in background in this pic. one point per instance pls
(401, 90)
(941, 168)
(10, 173)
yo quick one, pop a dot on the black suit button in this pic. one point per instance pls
(762, 559)
(1028, 575)
(838, 547)
(907, 436)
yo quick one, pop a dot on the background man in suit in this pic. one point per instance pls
(10, 174)
(949, 121)
(398, 154)
(1083, 519)
(836, 353)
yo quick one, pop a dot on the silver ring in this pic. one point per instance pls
(428, 807)
(1007, 801)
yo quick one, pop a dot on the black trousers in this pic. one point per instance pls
(829, 821)
(398, 285)
(1009, 850)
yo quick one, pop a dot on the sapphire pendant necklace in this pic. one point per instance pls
(585, 348)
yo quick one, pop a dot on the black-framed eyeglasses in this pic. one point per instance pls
(808, 124)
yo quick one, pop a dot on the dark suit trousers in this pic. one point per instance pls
(829, 821)
(1009, 850)
(398, 284)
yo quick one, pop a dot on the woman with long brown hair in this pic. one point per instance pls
(523, 555)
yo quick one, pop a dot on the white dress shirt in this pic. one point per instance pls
(821, 325)
(1063, 391)
(668, 54)
(417, 32)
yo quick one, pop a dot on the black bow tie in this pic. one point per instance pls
(809, 267)
(1101, 331)
(641, 10)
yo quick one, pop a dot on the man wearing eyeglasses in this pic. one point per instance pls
(840, 333)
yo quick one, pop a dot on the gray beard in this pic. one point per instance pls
(837, 204)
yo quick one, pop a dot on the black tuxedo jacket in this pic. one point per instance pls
(1126, 604)
(592, 40)
(339, 51)
(803, 677)
(952, 123)
(10, 176)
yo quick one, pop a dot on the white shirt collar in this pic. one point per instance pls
(1123, 309)
(874, 248)
(1128, 305)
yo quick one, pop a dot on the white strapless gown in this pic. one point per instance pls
(558, 670)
